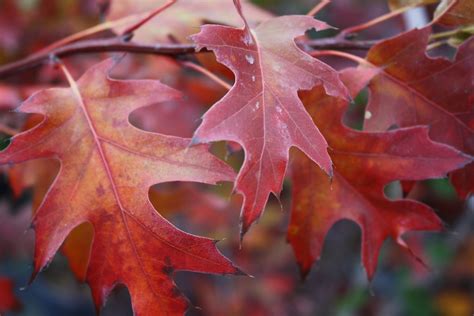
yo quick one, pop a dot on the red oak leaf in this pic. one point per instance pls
(262, 111)
(107, 168)
(8, 300)
(364, 163)
(415, 89)
(177, 118)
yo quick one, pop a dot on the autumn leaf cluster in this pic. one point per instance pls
(418, 124)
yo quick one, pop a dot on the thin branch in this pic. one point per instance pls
(318, 7)
(437, 44)
(447, 34)
(382, 18)
(7, 130)
(352, 57)
(119, 45)
(149, 17)
(207, 73)
(107, 26)
(88, 32)
(95, 46)
(339, 43)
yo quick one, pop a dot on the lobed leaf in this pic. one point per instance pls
(106, 169)
(262, 111)
(415, 89)
(364, 163)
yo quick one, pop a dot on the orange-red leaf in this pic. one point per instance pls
(415, 89)
(262, 111)
(107, 168)
(363, 164)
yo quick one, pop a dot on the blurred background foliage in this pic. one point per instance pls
(336, 286)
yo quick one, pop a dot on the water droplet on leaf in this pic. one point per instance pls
(250, 59)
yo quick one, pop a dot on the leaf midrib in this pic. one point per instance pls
(90, 123)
